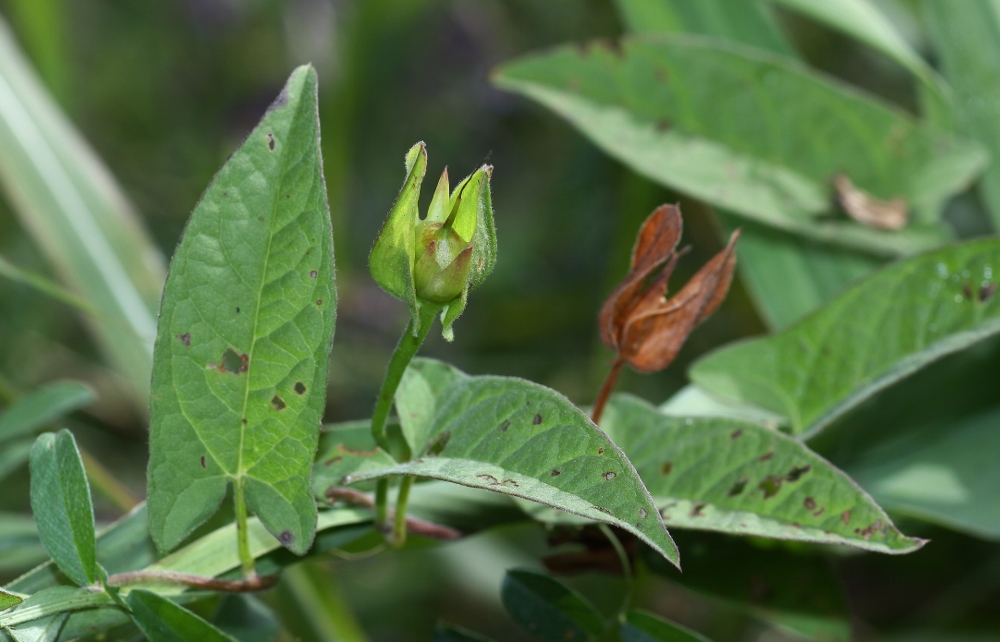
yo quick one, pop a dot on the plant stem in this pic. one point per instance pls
(399, 521)
(257, 583)
(609, 385)
(242, 535)
(414, 335)
(107, 484)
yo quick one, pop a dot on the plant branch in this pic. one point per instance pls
(414, 525)
(609, 385)
(255, 583)
(242, 535)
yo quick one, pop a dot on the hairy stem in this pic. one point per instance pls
(414, 335)
(399, 523)
(242, 535)
(256, 583)
(609, 385)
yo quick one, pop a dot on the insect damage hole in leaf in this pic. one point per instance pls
(247, 252)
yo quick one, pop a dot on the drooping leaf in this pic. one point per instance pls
(43, 406)
(160, 620)
(786, 276)
(879, 331)
(8, 600)
(509, 436)
(244, 335)
(43, 630)
(967, 39)
(548, 609)
(738, 477)
(79, 217)
(60, 502)
(674, 109)
(946, 475)
(640, 626)
(793, 589)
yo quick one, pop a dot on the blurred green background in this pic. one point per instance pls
(164, 91)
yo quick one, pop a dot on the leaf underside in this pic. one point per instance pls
(244, 336)
(896, 321)
(508, 436)
(733, 476)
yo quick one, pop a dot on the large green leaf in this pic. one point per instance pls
(967, 38)
(879, 331)
(245, 329)
(786, 275)
(733, 476)
(947, 475)
(509, 436)
(79, 217)
(60, 501)
(675, 108)
(547, 609)
(160, 620)
(43, 406)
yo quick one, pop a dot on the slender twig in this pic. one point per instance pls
(609, 385)
(626, 567)
(107, 484)
(399, 523)
(256, 583)
(413, 524)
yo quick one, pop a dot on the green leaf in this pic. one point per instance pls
(60, 501)
(785, 275)
(163, 621)
(244, 336)
(547, 609)
(946, 474)
(674, 109)
(738, 477)
(43, 630)
(508, 436)
(749, 21)
(881, 330)
(645, 627)
(43, 406)
(8, 600)
(967, 39)
(79, 217)
(54, 601)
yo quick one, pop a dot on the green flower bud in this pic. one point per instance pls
(437, 260)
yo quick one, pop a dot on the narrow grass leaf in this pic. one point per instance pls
(548, 609)
(640, 626)
(673, 107)
(514, 437)
(741, 478)
(43, 406)
(160, 620)
(79, 217)
(245, 330)
(46, 629)
(886, 327)
(967, 39)
(60, 502)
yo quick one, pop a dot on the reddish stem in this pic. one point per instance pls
(609, 385)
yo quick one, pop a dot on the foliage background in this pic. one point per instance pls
(165, 90)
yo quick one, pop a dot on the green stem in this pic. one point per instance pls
(399, 520)
(414, 335)
(242, 535)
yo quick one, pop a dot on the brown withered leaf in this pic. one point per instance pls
(638, 322)
(868, 210)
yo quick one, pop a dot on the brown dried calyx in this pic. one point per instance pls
(644, 328)
(869, 211)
